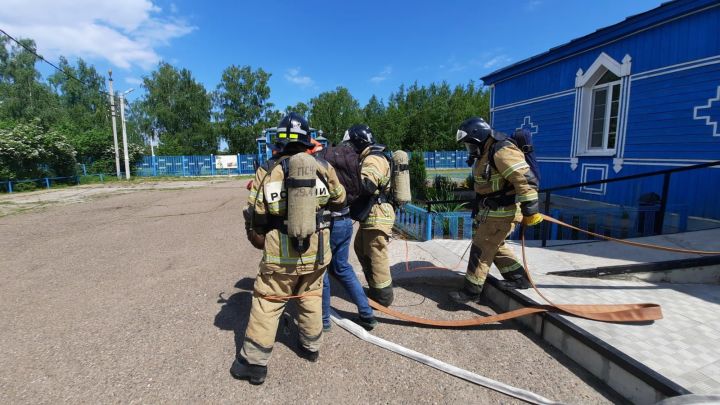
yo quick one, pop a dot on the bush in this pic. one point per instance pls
(417, 176)
(443, 183)
(469, 182)
(443, 189)
(25, 186)
(27, 150)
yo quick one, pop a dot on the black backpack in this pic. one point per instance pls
(523, 140)
(345, 161)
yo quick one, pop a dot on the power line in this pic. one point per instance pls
(32, 51)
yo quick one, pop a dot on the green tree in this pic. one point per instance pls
(374, 116)
(242, 106)
(417, 175)
(84, 101)
(86, 109)
(24, 97)
(177, 108)
(425, 118)
(334, 112)
(300, 108)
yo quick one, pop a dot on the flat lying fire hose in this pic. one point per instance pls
(515, 392)
(619, 313)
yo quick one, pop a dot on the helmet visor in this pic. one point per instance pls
(346, 137)
(460, 135)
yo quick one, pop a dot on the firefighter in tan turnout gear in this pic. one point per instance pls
(287, 216)
(506, 193)
(374, 212)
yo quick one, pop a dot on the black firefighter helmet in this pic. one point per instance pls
(292, 129)
(359, 136)
(474, 132)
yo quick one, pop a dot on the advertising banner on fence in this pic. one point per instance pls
(226, 162)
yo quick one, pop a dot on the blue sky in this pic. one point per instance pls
(370, 47)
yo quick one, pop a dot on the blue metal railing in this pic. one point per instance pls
(47, 182)
(650, 217)
(617, 222)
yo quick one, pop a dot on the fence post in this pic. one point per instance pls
(47, 182)
(429, 219)
(238, 164)
(9, 186)
(182, 160)
(84, 170)
(682, 218)
(153, 161)
(660, 216)
(546, 228)
(555, 213)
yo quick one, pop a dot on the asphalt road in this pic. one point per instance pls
(141, 295)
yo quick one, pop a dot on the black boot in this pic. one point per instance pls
(243, 371)
(383, 296)
(515, 279)
(469, 292)
(309, 355)
(367, 323)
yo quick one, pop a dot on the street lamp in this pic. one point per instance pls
(124, 133)
(114, 127)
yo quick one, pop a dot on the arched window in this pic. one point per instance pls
(605, 107)
(598, 127)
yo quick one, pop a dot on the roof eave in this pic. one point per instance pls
(665, 11)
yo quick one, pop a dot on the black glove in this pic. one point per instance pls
(256, 239)
(529, 208)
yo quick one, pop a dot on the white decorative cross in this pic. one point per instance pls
(527, 124)
(710, 112)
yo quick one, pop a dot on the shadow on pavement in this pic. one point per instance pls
(235, 312)
(425, 294)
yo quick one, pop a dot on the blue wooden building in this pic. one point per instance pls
(638, 96)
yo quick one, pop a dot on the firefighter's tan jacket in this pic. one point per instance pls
(376, 169)
(268, 196)
(513, 175)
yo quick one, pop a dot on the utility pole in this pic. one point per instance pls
(114, 127)
(124, 133)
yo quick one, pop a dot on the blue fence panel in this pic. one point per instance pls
(414, 221)
(191, 165)
(246, 164)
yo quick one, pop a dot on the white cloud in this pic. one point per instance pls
(134, 81)
(293, 76)
(126, 34)
(496, 61)
(382, 76)
(487, 60)
(532, 5)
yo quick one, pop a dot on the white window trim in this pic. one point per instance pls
(603, 151)
(584, 83)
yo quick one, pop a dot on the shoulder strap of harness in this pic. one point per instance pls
(286, 169)
(496, 147)
(385, 190)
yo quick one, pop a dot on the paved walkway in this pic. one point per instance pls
(684, 346)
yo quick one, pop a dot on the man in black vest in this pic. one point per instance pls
(345, 161)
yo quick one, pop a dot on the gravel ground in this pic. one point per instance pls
(142, 296)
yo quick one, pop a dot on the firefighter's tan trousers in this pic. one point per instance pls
(489, 247)
(265, 313)
(371, 248)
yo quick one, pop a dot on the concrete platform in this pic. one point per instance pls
(683, 348)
